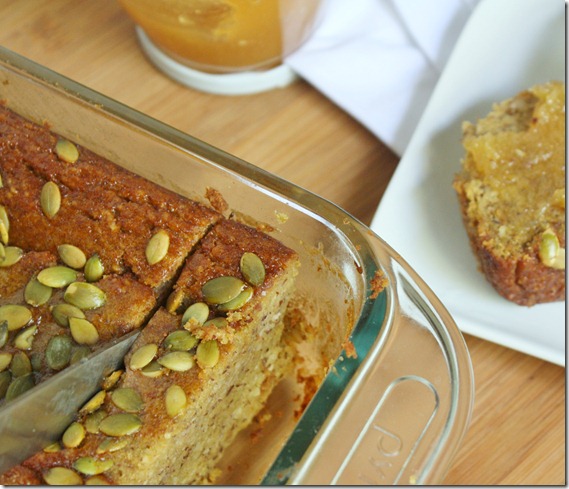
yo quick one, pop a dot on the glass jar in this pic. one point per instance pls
(222, 36)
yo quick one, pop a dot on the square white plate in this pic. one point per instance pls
(506, 47)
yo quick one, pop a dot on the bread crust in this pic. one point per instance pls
(523, 280)
(506, 211)
(222, 396)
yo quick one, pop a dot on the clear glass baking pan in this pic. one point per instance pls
(393, 413)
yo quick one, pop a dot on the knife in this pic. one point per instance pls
(38, 417)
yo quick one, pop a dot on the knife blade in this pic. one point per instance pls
(38, 417)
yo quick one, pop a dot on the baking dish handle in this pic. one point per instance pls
(409, 403)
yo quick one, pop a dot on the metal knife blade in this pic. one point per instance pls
(38, 417)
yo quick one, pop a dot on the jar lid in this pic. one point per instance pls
(241, 83)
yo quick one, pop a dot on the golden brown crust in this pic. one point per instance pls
(511, 191)
(22, 476)
(222, 398)
(14, 278)
(219, 254)
(105, 209)
(525, 281)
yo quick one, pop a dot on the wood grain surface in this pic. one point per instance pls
(517, 432)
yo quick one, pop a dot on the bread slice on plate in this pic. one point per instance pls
(511, 190)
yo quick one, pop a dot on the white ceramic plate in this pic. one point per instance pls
(506, 47)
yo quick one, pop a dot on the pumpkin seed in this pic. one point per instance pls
(180, 340)
(252, 269)
(238, 302)
(550, 251)
(58, 352)
(57, 276)
(50, 199)
(222, 289)
(72, 256)
(16, 316)
(62, 312)
(94, 269)
(97, 480)
(174, 301)
(199, 311)
(110, 380)
(143, 356)
(73, 435)
(25, 338)
(53, 448)
(20, 364)
(127, 399)
(558, 198)
(93, 420)
(62, 476)
(83, 331)
(12, 255)
(66, 151)
(179, 361)
(112, 445)
(36, 359)
(36, 293)
(92, 465)
(175, 400)
(94, 403)
(4, 217)
(3, 234)
(218, 322)
(19, 385)
(153, 370)
(207, 353)
(84, 295)
(4, 225)
(157, 247)
(3, 333)
(549, 246)
(79, 353)
(120, 424)
(5, 360)
(5, 380)
(559, 263)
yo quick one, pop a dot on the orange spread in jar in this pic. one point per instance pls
(224, 35)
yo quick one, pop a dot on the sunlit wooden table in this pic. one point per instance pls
(517, 433)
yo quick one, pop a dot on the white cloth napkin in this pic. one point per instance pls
(379, 60)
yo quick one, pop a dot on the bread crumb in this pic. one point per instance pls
(378, 284)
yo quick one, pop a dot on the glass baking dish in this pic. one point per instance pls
(394, 412)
